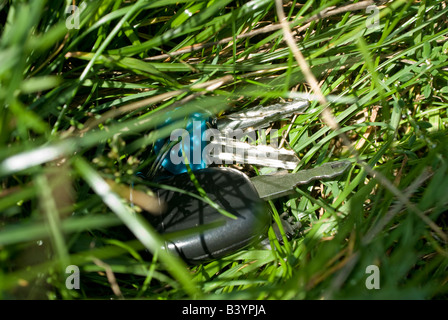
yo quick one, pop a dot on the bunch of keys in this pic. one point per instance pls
(195, 230)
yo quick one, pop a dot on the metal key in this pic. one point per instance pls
(277, 185)
(260, 116)
(230, 130)
(232, 151)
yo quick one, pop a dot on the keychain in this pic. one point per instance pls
(194, 229)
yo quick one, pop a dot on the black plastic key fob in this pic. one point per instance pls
(233, 192)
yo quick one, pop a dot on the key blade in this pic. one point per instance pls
(227, 150)
(275, 186)
(260, 116)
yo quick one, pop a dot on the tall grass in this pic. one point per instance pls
(82, 105)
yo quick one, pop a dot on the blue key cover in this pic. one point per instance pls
(192, 143)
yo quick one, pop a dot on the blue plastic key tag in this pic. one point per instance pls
(192, 138)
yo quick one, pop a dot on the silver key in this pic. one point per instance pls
(246, 122)
(229, 150)
(260, 116)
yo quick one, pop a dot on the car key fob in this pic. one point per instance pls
(233, 191)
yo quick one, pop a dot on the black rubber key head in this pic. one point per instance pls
(233, 192)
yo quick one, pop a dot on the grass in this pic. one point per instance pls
(82, 108)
